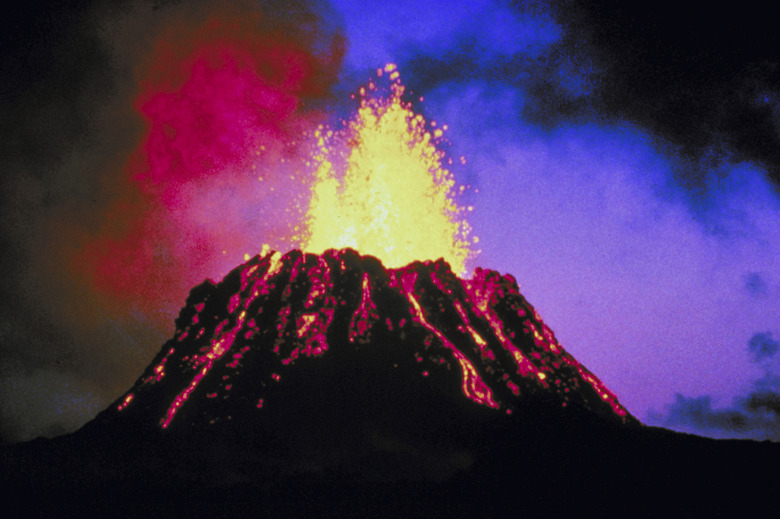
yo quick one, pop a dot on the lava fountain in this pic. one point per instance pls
(379, 281)
(381, 186)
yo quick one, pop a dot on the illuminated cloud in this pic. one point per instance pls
(130, 133)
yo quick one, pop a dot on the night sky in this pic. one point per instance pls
(623, 163)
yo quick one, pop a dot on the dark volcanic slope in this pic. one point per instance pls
(238, 343)
(307, 386)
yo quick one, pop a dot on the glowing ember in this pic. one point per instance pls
(362, 317)
(125, 402)
(473, 385)
(277, 312)
(382, 189)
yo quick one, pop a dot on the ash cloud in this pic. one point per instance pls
(72, 202)
(755, 415)
(701, 79)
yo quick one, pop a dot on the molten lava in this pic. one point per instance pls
(382, 188)
(276, 315)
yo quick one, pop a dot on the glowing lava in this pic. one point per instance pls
(382, 189)
(275, 315)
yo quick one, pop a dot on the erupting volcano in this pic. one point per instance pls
(365, 372)
(239, 342)
(305, 383)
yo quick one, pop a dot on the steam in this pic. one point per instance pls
(153, 161)
(216, 173)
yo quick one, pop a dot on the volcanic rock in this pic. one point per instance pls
(304, 383)
(240, 344)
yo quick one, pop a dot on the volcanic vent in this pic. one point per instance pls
(241, 345)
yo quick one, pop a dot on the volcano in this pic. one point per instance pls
(311, 383)
(238, 343)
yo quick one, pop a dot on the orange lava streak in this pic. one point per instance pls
(478, 340)
(473, 385)
(218, 349)
(365, 313)
(125, 402)
(482, 301)
(602, 390)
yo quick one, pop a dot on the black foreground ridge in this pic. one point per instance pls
(307, 382)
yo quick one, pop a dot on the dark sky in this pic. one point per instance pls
(622, 156)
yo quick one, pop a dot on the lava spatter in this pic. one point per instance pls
(381, 179)
(277, 313)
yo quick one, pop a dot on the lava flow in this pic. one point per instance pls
(389, 301)
(276, 314)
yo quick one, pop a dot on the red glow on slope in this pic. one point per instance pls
(364, 315)
(312, 326)
(473, 385)
(219, 346)
(159, 369)
(503, 349)
(484, 293)
(125, 402)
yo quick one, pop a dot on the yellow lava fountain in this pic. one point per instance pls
(381, 186)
